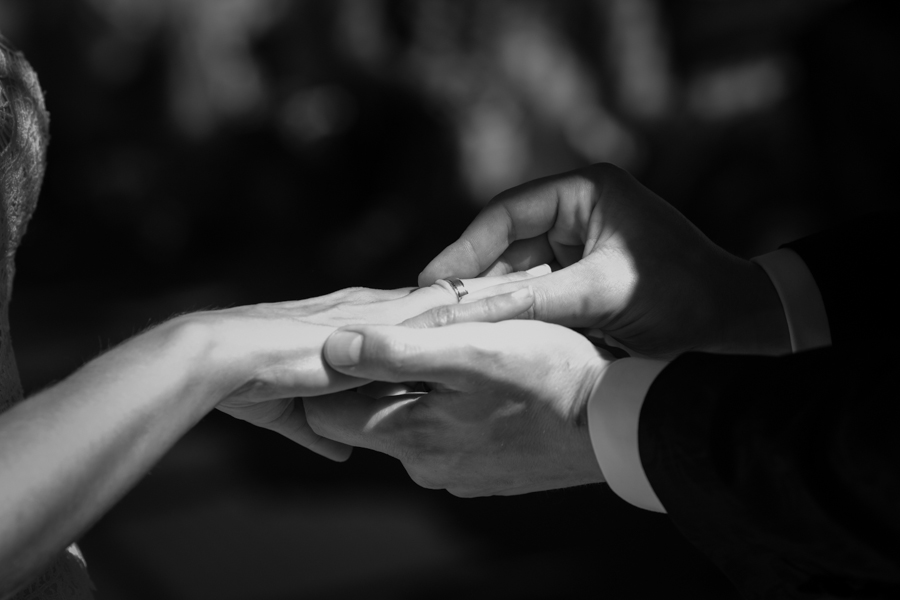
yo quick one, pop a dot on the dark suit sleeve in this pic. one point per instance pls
(786, 471)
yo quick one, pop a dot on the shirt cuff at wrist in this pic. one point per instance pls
(613, 413)
(804, 309)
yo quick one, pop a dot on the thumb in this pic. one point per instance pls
(397, 354)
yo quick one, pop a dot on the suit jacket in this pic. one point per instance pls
(786, 471)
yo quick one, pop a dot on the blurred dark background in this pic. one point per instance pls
(209, 153)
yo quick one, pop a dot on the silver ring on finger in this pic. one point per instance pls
(457, 286)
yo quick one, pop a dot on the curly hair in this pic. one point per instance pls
(24, 136)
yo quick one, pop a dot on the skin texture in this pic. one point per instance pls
(499, 416)
(504, 411)
(69, 452)
(625, 262)
(268, 398)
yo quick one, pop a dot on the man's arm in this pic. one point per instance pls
(786, 469)
(782, 469)
(615, 406)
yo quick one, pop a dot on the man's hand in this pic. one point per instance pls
(270, 354)
(628, 264)
(505, 414)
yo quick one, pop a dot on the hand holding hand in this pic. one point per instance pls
(270, 354)
(628, 264)
(506, 413)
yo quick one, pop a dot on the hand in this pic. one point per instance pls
(628, 264)
(269, 354)
(506, 413)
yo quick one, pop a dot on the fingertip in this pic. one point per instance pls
(434, 271)
(342, 454)
(343, 348)
(425, 279)
(332, 450)
(539, 270)
(431, 275)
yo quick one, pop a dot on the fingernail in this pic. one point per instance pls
(343, 348)
(539, 270)
(522, 294)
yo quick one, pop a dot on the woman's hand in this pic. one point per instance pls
(70, 451)
(270, 355)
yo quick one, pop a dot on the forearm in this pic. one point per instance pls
(68, 453)
(786, 465)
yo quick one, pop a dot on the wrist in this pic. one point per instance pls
(591, 384)
(199, 340)
(750, 318)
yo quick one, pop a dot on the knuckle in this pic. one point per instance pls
(437, 317)
(443, 315)
(491, 309)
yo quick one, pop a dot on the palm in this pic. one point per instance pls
(284, 342)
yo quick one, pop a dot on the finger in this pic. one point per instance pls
(354, 419)
(520, 213)
(448, 355)
(288, 418)
(486, 310)
(521, 256)
(580, 295)
(381, 389)
(478, 284)
(442, 293)
(294, 426)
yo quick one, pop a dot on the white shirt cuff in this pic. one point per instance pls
(613, 413)
(801, 299)
(615, 405)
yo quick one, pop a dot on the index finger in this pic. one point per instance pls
(522, 212)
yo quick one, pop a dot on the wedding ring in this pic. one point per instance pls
(457, 286)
